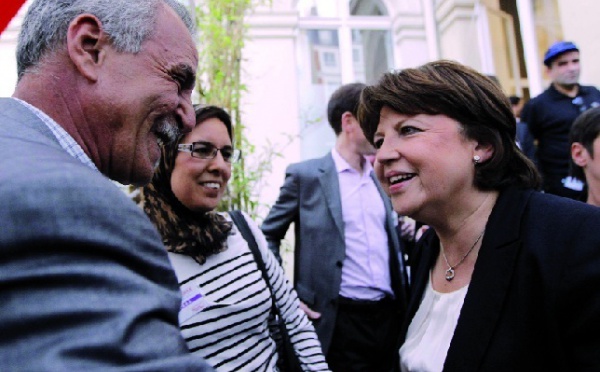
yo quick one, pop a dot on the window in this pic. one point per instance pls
(340, 42)
(330, 60)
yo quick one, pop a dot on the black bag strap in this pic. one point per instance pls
(238, 218)
(289, 360)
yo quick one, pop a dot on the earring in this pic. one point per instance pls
(476, 159)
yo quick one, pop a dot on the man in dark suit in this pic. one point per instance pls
(525, 140)
(348, 267)
(85, 282)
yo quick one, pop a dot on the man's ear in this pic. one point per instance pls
(347, 121)
(579, 154)
(86, 44)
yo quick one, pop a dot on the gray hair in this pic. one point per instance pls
(127, 22)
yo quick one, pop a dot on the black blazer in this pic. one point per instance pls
(534, 299)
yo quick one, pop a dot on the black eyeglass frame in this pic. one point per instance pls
(236, 154)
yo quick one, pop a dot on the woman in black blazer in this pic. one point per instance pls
(507, 278)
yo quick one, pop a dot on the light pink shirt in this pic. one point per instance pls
(365, 271)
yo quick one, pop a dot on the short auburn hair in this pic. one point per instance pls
(459, 92)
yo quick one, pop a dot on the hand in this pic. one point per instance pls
(310, 313)
(407, 228)
(420, 232)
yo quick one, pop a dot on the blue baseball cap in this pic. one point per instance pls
(557, 49)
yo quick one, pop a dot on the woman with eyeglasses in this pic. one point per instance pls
(226, 303)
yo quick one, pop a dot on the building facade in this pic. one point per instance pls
(300, 51)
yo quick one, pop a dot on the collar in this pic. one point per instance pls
(341, 165)
(555, 94)
(65, 140)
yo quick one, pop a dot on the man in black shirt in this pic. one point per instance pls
(551, 114)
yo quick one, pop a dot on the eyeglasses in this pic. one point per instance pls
(206, 150)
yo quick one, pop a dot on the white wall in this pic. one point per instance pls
(270, 107)
(8, 45)
(459, 33)
(8, 67)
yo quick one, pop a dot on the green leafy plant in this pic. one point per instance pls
(221, 37)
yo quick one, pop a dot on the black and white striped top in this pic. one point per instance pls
(226, 304)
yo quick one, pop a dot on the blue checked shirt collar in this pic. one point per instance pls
(66, 141)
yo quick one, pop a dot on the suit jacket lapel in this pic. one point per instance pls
(397, 269)
(331, 191)
(490, 283)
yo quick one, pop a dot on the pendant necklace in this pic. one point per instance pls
(450, 271)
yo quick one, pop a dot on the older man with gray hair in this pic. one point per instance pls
(85, 282)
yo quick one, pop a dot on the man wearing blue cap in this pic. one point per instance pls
(551, 114)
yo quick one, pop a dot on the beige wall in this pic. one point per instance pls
(580, 24)
(458, 32)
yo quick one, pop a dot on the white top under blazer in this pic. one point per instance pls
(431, 330)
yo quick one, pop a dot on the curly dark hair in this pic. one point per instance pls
(184, 231)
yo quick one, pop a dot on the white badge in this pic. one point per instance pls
(192, 302)
(573, 183)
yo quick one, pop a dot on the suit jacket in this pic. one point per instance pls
(310, 198)
(533, 303)
(85, 282)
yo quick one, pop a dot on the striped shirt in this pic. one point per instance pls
(64, 139)
(226, 304)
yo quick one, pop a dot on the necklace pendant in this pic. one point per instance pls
(449, 274)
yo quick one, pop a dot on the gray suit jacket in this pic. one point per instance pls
(310, 198)
(85, 282)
